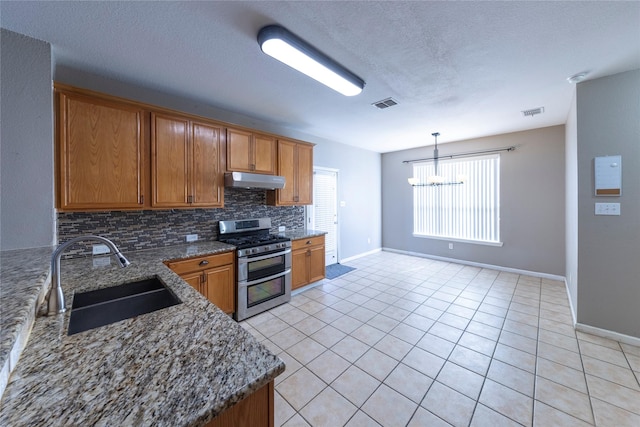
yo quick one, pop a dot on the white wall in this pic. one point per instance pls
(359, 187)
(532, 202)
(608, 123)
(26, 136)
(571, 207)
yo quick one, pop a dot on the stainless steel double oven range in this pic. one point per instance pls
(263, 265)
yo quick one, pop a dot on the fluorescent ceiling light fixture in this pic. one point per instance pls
(283, 45)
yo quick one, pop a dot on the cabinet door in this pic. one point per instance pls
(219, 285)
(304, 179)
(299, 268)
(239, 150)
(286, 168)
(256, 410)
(170, 164)
(100, 154)
(316, 263)
(207, 186)
(264, 154)
(195, 280)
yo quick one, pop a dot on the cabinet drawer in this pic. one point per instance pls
(201, 263)
(308, 242)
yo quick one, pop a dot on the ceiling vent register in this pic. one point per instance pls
(533, 111)
(385, 103)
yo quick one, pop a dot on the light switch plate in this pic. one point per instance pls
(607, 208)
(282, 228)
(192, 237)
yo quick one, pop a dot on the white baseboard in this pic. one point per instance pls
(605, 333)
(351, 258)
(479, 264)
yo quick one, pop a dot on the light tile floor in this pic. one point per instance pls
(408, 341)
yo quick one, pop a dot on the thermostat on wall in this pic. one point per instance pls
(608, 175)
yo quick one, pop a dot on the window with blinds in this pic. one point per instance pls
(468, 211)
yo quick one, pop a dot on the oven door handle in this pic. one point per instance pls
(244, 260)
(265, 279)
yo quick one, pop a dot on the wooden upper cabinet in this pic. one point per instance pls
(170, 160)
(304, 183)
(207, 165)
(250, 152)
(187, 162)
(100, 153)
(295, 163)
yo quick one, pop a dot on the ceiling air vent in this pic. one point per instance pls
(385, 103)
(533, 111)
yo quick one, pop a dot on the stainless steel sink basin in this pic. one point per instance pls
(109, 305)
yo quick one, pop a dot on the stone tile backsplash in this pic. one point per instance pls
(137, 230)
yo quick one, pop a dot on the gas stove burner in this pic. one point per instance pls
(252, 237)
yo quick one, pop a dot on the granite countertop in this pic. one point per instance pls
(24, 278)
(297, 234)
(179, 366)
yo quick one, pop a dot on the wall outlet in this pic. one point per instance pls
(450, 245)
(100, 249)
(282, 228)
(192, 237)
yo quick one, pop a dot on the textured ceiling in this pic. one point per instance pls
(464, 69)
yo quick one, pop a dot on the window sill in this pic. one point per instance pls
(451, 239)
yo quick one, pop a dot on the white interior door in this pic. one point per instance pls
(323, 214)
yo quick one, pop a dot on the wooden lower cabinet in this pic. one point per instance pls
(254, 411)
(307, 261)
(213, 276)
(219, 287)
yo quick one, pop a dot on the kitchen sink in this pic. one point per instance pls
(102, 307)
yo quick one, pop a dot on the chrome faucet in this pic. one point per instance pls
(56, 302)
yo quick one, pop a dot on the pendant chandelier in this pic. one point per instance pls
(435, 179)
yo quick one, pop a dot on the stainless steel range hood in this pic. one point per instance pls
(253, 180)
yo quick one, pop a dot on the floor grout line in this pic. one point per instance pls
(452, 283)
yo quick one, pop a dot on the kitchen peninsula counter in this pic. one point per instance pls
(179, 366)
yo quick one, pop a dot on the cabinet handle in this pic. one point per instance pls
(308, 242)
(204, 262)
(189, 199)
(142, 200)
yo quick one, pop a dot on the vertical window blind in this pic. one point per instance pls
(324, 204)
(468, 211)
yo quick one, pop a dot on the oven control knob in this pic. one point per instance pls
(254, 250)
